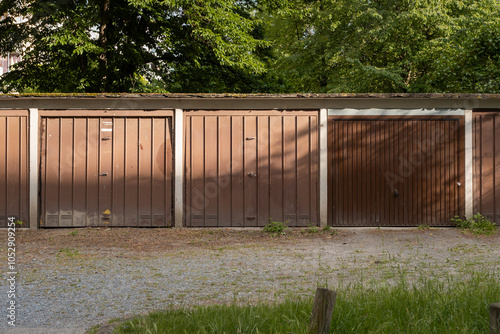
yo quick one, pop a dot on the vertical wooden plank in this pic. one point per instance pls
(79, 175)
(169, 161)
(145, 184)
(66, 173)
(3, 172)
(118, 172)
(188, 148)
(303, 171)
(24, 180)
(211, 187)
(158, 172)
(290, 181)
(276, 165)
(263, 169)
(332, 198)
(237, 170)
(250, 172)
(131, 171)
(13, 163)
(198, 199)
(224, 176)
(316, 212)
(93, 137)
(52, 173)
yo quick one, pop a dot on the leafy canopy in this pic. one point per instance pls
(121, 45)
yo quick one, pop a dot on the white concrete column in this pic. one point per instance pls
(323, 167)
(33, 169)
(469, 173)
(178, 167)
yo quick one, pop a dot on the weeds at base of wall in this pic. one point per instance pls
(276, 228)
(477, 224)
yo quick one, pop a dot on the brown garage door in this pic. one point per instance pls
(106, 171)
(487, 164)
(244, 168)
(395, 171)
(13, 167)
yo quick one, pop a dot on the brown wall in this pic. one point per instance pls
(13, 167)
(386, 171)
(244, 168)
(134, 152)
(486, 143)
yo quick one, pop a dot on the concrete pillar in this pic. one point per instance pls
(178, 167)
(323, 167)
(33, 169)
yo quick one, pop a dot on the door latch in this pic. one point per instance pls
(396, 193)
(104, 174)
(252, 174)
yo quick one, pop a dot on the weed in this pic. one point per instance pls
(312, 229)
(478, 224)
(327, 228)
(335, 232)
(277, 228)
(69, 252)
(423, 227)
(19, 223)
(74, 233)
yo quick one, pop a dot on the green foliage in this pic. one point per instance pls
(274, 227)
(134, 45)
(477, 224)
(424, 307)
(388, 46)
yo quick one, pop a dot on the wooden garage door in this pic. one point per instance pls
(103, 171)
(13, 168)
(244, 168)
(487, 164)
(395, 171)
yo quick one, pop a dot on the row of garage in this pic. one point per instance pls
(244, 167)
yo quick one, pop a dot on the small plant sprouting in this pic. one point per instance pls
(312, 229)
(477, 224)
(69, 252)
(74, 233)
(277, 228)
(19, 223)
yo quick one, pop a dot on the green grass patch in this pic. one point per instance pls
(425, 306)
(477, 224)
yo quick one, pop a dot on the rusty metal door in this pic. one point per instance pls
(243, 168)
(106, 171)
(395, 171)
(486, 145)
(13, 167)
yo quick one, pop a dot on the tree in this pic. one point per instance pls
(127, 45)
(388, 45)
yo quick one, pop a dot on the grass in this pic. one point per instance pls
(477, 224)
(425, 306)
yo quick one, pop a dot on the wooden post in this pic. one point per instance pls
(495, 318)
(324, 301)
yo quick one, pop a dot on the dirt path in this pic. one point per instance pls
(76, 278)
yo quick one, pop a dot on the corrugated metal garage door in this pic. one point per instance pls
(487, 164)
(244, 168)
(395, 171)
(13, 167)
(106, 171)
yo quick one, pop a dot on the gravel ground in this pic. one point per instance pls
(71, 280)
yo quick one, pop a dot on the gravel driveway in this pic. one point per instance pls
(70, 280)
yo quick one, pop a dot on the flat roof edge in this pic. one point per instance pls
(250, 96)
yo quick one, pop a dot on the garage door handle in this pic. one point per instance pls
(252, 174)
(396, 193)
(104, 174)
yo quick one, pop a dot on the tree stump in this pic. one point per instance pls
(324, 302)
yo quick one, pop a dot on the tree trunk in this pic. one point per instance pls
(103, 43)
